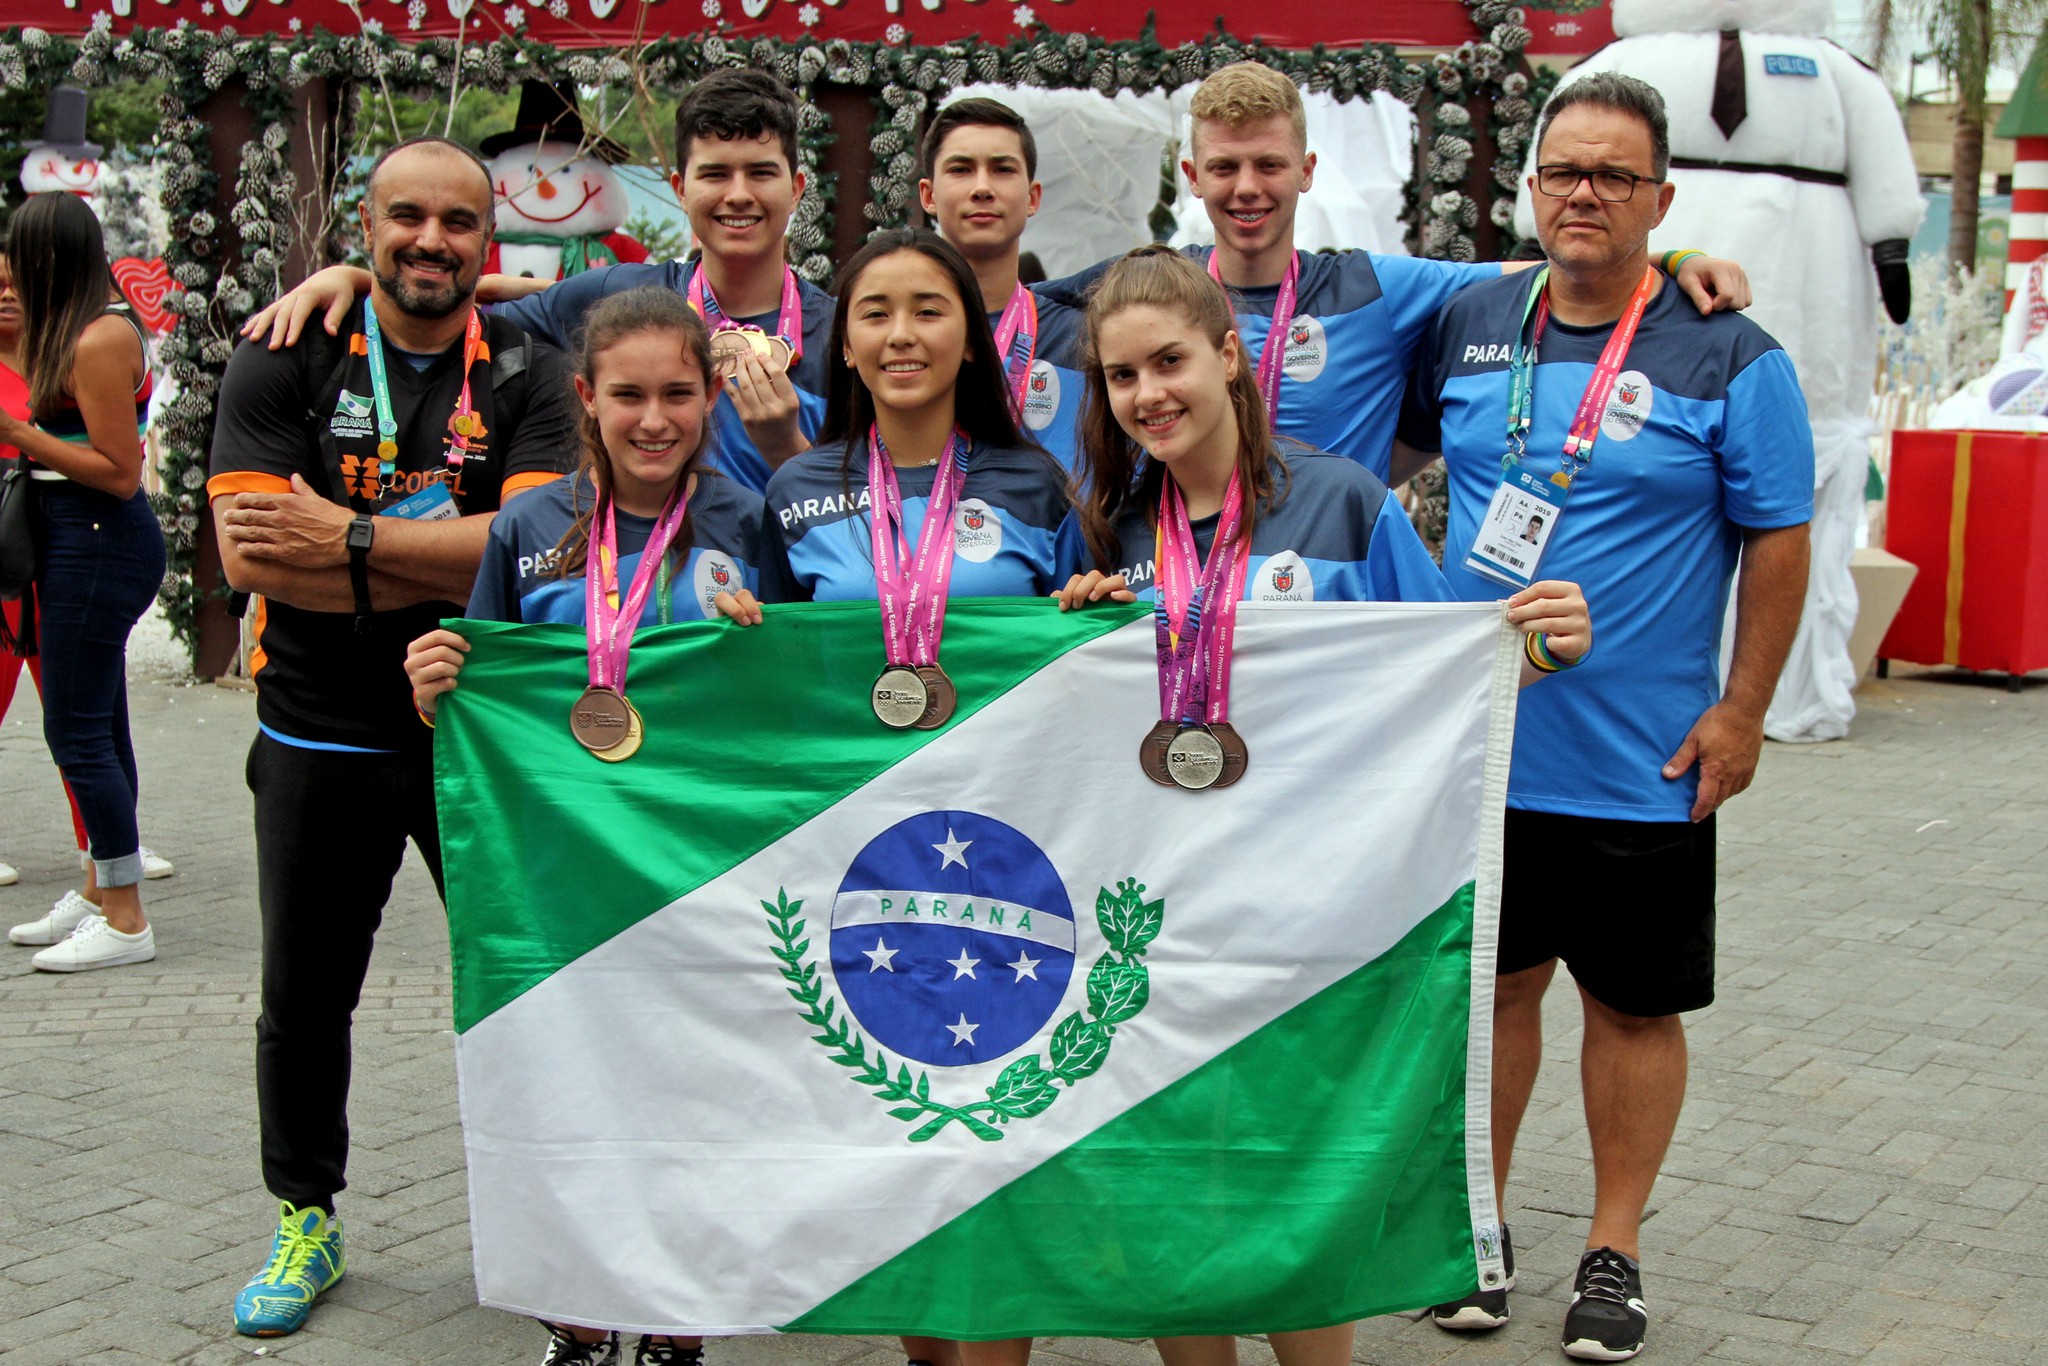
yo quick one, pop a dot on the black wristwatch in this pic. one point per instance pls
(360, 533)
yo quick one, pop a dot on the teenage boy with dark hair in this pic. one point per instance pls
(978, 169)
(738, 181)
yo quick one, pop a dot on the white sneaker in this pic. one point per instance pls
(64, 917)
(8, 877)
(96, 944)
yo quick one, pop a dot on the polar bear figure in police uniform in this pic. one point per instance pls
(1789, 157)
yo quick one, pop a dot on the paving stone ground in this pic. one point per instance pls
(1855, 1177)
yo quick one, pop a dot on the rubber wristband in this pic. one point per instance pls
(1672, 260)
(425, 719)
(1541, 642)
(1540, 662)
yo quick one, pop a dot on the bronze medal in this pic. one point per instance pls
(901, 698)
(1194, 758)
(941, 697)
(630, 745)
(1235, 754)
(1152, 752)
(730, 344)
(600, 720)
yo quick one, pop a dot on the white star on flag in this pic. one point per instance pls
(880, 955)
(1025, 966)
(963, 966)
(962, 1032)
(953, 851)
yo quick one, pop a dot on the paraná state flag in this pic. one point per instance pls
(794, 1023)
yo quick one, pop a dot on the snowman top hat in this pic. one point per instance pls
(64, 125)
(549, 112)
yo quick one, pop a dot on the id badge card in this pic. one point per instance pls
(431, 504)
(1518, 524)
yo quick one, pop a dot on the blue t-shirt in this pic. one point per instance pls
(556, 313)
(1333, 534)
(517, 580)
(1358, 321)
(1705, 434)
(1015, 534)
(1052, 392)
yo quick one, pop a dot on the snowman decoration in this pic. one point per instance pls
(560, 204)
(61, 159)
(1789, 157)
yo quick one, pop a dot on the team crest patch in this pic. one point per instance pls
(351, 415)
(952, 943)
(977, 531)
(1041, 395)
(1628, 407)
(715, 573)
(1308, 350)
(1284, 578)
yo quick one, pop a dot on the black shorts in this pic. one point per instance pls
(1628, 906)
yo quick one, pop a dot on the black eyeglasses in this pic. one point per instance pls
(1610, 187)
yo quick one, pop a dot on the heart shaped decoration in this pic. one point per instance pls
(145, 283)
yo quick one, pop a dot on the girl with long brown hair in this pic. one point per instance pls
(100, 560)
(643, 489)
(1178, 454)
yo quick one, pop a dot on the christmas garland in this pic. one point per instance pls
(211, 299)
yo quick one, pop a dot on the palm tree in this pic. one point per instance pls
(1968, 36)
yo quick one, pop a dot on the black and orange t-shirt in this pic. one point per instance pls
(310, 410)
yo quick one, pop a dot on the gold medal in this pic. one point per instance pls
(387, 450)
(464, 425)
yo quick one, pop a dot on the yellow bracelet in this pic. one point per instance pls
(425, 719)
(1539, 659)
(1672, 260)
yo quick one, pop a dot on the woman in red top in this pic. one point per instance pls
(100, 556)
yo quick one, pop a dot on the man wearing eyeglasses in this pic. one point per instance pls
(1661, 447)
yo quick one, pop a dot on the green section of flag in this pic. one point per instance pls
(750, 731)
(1312, 1174)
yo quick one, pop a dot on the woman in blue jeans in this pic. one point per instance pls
(100, 562)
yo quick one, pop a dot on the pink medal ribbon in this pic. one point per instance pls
(1017, 344)
(1578, 444)
(1194, 616)
(913, 594)
(789, 320)
(610, 629)
(1273, 359)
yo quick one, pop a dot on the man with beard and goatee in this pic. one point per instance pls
(353, 481)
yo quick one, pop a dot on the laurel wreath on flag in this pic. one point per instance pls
(1118, 988)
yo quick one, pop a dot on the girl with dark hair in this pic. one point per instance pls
(100, 560)
(643, 518)
(1182, 468)
(918, 423)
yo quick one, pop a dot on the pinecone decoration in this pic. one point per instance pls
(988, 64)
(1102, 79)
(714, 50)
(810, 64)
(1187, 63)
(1049, 59)
(955, 71)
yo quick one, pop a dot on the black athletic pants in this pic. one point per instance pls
(331, 829)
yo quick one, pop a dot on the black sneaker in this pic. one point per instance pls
(565, 1350)
(664, 1352)
(1606, 1321)
(1482, 1310)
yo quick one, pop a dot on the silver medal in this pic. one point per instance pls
(900, 697)
(1194, 758)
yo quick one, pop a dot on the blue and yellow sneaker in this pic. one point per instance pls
(305, 1258)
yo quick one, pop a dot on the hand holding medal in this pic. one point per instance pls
(603, 720)
(1194, 746)
(913, 692)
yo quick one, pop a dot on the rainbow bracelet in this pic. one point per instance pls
(1670, 261)
(1540, 658)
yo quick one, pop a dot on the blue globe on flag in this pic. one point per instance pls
(952, 939)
